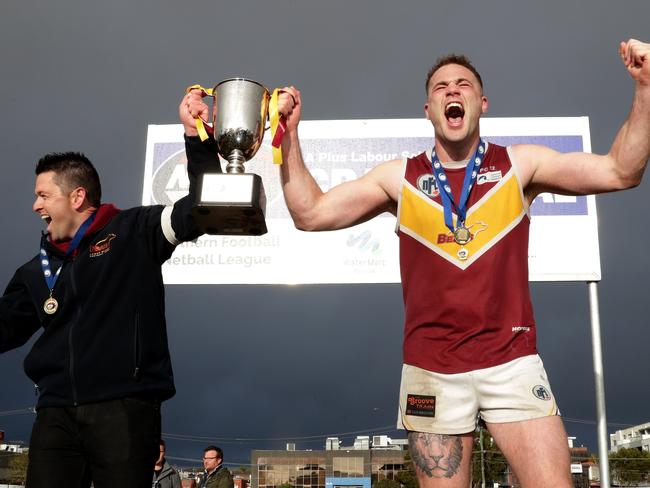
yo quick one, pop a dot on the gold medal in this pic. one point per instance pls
(462, 235)
(50, 306)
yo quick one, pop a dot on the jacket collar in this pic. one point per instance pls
(103, 216)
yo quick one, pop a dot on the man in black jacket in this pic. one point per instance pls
(101, 363)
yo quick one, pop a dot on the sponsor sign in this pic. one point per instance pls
(576, 468)
(563, 244)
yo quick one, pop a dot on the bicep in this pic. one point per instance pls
(543, 169)
(357, 201)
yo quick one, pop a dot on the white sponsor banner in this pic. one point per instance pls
(564, 238)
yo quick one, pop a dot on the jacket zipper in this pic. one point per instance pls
(136, 347)
(70, 347)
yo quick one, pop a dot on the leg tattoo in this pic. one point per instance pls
(436, 455)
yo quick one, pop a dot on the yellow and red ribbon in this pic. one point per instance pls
(278, 126)
(277, 120)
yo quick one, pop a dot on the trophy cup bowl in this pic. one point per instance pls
(233, 203)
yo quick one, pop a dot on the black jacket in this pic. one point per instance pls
(108, 337)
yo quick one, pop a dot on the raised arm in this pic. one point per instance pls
(201, 158)
(546, 170)
(345, 205)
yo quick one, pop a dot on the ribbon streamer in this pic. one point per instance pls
(278, 127)
(278, 122)
(200, 126)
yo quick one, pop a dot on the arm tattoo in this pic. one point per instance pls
(436, 455)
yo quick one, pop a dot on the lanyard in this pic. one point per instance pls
(50, 278)
(471, 172)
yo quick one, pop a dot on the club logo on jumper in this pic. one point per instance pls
(421, 405)
(541, 392)
(101, 247)
(488, 177)
(427, 185)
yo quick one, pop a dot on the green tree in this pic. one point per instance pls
(285, 485)
(387, 484)
(406, 476)
(18, 469)
(494, 462)
(630, 466)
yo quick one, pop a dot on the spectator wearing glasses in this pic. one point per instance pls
(215, 475)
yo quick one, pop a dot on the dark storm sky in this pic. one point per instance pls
(275, 362)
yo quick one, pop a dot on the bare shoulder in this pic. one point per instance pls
(388, 177)
(527, 158)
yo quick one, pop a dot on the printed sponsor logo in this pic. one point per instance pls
(421, 405)
(541, 392)
(489, 177)
(427, 185)
(101, 247)
(364, 242)
(521, 328)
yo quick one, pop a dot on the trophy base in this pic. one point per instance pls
(230, 204)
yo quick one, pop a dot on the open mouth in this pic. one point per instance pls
(46, 219)
(454, 112)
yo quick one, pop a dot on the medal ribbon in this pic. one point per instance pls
(471, 172)
(277, 120)
(50, 278)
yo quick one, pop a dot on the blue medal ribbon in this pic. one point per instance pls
(471, 172)
(50, 278)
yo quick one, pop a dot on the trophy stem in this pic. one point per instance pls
(236, 162)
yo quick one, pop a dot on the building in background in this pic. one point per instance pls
(360, 465)
(637, 437)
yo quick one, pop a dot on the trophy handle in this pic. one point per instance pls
(204, 129)
(277, 121)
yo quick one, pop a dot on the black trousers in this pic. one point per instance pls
(111, 444)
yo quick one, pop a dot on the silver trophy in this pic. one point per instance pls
(234, 202)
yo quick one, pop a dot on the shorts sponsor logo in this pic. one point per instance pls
(541, 392)
(421, 405)
(427, 185)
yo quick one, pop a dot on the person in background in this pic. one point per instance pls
(164, 476)
(215, 474)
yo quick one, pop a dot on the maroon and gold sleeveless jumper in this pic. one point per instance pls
(471, 313)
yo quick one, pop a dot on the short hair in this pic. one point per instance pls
(214, 448)
(72, 170)
(162, 443)
(459, 59)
